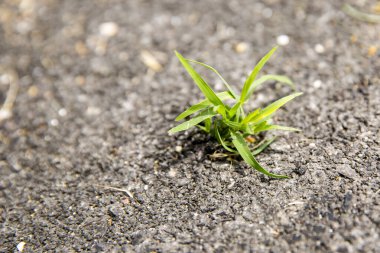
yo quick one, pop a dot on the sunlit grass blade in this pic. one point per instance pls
(268, 127)
(202, 105)
(234, 109)
(194, 121)
(232, 124)
(250, 116)
(203, 86)
(272, 108)
(243, 149)
(191, 110)
(221, 141)
(208, 125)
(263, 146)
(255, 71)
(278, 78)
(217, 73)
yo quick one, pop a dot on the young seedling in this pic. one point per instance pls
(230, 125)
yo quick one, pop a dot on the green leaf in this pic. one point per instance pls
(267, 127)
(263, 79)
(194, 121)
(203, 86)
(232, 124)
(263, 146)
(203, 104)
(234, 109)
(255, 71)
(220, 140)
(191, 110)
(242, 148)
(251, 115)
(272, 108)
(217, 73)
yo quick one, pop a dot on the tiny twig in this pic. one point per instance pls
(362, 16)
(6, 109)
(130, 194)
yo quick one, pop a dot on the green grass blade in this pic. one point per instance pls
(242, 148)
(203, 86)
(234, 109)
(194, 121)
(202, 105)
(220, 140)
(232, 124)
(191, 110)
(217, 73)
(272, 108)
(255, 71)
(250, 116)
(263, 146)
(268, 127)
(263, 79)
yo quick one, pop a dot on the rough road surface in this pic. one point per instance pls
(85, 160)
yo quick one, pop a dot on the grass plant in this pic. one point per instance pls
(228, 123)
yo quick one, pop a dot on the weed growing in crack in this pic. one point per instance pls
(230, 125)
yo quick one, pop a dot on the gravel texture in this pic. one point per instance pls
(86, 163)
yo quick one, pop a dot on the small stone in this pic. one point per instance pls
(5, 114)
(178, 149)
(354, 38)
(62, 112)
(108, 29)
(115, 210)
(283, 40)
(241, 47)
(317, 84)
(20, 246)
(93, 111)
(312, 145)
(346, 171)
(54, 122)
(150, 61)
(372, 50)
(32, 91)
(319, 48)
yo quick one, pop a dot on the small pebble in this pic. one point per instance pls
(317, 84)
(93, 111)
(241, 47)
(283, 40)
(20, 246)
(54, 122)
(354, 38)
(178, 149)
(150, 61)
(372, 50)
(32, 91)
(319, 48)
(108, 29)
(62, 112)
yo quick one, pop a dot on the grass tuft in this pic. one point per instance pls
(230, 125)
